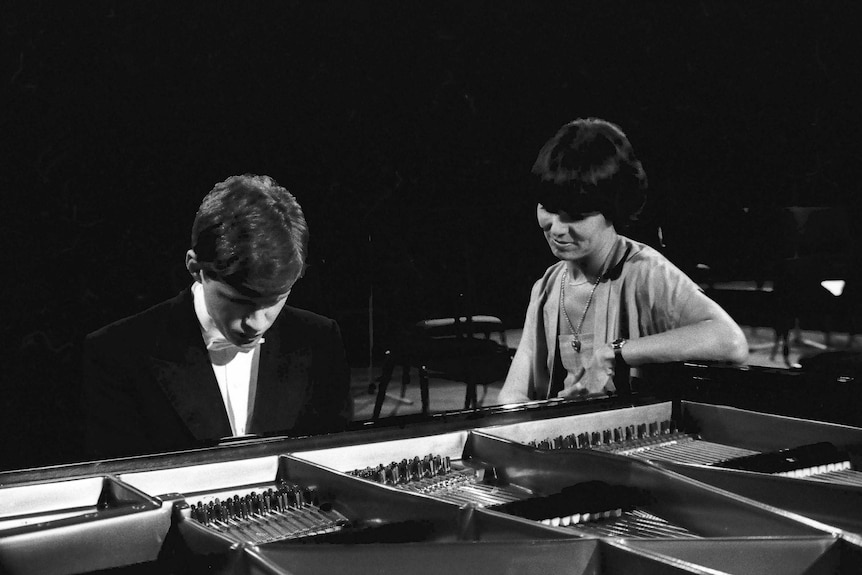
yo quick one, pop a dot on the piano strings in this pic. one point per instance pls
(662, 441)
(592, 506)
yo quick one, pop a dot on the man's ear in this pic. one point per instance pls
(193, 266)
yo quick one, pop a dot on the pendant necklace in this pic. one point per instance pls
(576, 341)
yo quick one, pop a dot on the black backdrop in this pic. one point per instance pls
(406, 130)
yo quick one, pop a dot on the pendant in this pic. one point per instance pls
(576, 345)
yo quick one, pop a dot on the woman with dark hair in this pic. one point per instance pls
(610, 302)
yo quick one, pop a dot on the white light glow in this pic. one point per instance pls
(835, 287)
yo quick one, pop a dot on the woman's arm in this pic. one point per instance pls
(706, 332)
(519, 383)
(515, 389)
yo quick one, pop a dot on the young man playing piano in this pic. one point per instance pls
(610, 302)
(226, 357)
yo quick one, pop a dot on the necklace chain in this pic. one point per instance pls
(576, 341)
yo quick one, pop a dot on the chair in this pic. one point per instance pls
(452, 344)
(817, 248)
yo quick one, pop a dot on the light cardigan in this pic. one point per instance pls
(642, 294)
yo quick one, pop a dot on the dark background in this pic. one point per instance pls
(406, 130)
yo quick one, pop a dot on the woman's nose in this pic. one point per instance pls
(557, 227)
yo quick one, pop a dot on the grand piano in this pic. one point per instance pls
(703, 469)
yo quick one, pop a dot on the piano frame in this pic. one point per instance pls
(829, 537)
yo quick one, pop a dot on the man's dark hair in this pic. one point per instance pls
(590, 166)
(250, 233)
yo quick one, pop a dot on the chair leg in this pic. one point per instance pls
(470, 398)
(405, 374)
(782, 339)
(423, 386)
(469, 379)
(383, 383)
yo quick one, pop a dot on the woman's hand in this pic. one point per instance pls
(594, 379)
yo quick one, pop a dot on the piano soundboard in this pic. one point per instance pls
(595, 507)
(591, 493)
(650, 433)
(662, 441)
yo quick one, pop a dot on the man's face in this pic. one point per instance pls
(241, 317)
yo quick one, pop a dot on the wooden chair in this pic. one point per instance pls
(472, 359)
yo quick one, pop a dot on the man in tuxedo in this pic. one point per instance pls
(226, 357)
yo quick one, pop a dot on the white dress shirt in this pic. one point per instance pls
(235, 368)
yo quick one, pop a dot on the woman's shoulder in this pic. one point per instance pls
(553, 271)
(643, 261)
(642, 255)
(549, 277)
(542, 286)
(636, 250)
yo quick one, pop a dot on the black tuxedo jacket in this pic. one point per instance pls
(149, 385)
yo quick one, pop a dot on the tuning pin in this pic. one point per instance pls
(199, 514)
(310, 495)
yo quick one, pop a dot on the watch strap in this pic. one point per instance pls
(617, 346)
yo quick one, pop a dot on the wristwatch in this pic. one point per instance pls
(617, 345)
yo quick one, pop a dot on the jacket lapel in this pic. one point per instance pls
(284, 376)
(182, 368)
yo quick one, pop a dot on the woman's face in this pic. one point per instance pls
(574, 237)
